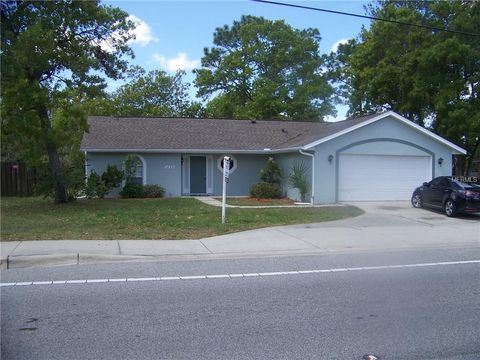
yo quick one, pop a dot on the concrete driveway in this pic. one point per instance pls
(394, 213)
(383, 226)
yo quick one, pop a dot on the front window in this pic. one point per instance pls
(138, 179)
(134, 167)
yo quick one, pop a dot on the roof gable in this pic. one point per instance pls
(381, 116)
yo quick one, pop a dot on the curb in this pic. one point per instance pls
(49, 260)
(46, 260)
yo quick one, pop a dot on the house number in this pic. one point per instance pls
(169, 167)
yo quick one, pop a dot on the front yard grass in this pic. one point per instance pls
(169, 218)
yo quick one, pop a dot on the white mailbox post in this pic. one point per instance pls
(226, 175)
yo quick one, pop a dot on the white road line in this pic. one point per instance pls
(143, 279)
(97, 280)
(238, 275)
(42, 283)
(76, 281)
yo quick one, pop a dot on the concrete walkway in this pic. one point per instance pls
(214, 202)
(384, 226)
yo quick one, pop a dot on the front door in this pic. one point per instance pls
(198, 174)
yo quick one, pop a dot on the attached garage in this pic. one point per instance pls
(378, 157)
(381, 177)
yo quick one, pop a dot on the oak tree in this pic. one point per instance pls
(49, 47)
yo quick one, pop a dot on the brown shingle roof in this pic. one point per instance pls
(148, 133)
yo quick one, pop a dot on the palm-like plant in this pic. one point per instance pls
(298, 178)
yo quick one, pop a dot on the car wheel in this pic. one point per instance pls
(449, 207)
(417, 201)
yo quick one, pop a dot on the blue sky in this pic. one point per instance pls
(173, 34)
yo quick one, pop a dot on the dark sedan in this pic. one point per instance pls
(448, 194)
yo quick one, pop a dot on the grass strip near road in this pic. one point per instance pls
(249, 201)
(169, 218)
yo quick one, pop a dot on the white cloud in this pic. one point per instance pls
(334, 47)
(143, 33)
(181, 62)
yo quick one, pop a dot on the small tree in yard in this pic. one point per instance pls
(271, 177)
(271, 173)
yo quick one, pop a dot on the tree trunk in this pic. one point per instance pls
(58, 179)
(470, 159)
(57, 174)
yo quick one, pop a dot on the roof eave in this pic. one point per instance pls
(189, 151)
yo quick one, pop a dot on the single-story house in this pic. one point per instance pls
(381, 156)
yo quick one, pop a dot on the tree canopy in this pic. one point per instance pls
(431, 77)
(264, 69)
(50, 48)
(155, 93)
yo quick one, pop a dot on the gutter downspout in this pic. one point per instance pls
(312, 198)
(86, 168)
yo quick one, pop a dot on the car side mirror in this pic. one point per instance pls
(426, 184)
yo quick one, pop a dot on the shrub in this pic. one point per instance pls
(101, 185)
(153, 191)
(271, 173)
(265, 191)
(95, 186)
(112, 177)
(132, 190)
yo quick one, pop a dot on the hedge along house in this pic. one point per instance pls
(376, 157)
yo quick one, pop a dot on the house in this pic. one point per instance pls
(376, 157)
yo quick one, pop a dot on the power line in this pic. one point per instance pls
(365, 17)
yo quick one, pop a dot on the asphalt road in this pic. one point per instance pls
(370, 304)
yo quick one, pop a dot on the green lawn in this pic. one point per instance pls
(249, 201)
(170, 218)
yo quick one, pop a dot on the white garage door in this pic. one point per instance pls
(381, 177)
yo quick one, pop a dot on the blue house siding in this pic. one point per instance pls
(165, 170)
(245, 175)
(387, 136)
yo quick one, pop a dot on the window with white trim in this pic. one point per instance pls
(138, 179)
(233, 163)
(137, 171)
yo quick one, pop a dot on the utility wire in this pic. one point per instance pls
(365, 17)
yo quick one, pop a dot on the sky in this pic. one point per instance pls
(171, 35)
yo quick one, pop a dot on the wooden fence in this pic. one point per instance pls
(16, 179)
